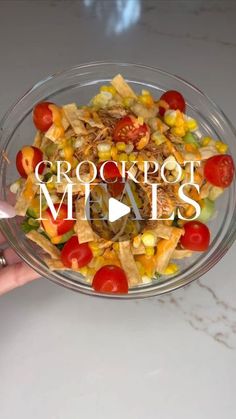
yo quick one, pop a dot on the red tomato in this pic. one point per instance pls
(125, 130)
(27, 159)
(196, 236)
(42, 116)
(175, 101)
(73, 250)
(110, 173)
(110, 170)
(219, 170)
(59, 226)
(110, 279)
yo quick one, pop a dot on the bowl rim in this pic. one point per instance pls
(169, 285)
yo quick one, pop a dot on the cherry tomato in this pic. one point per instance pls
(110, 279)
(125, 130)
(175, 101)
(219, 170)
(110, 170)
(110, 173)
(60, 225)
(73, 250)
(27, 159)
(196, 236)
(42, 116)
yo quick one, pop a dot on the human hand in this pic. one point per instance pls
(16, 273)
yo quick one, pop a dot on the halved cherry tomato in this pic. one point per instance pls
(175, 101)
(110, 173)
(27, 159)
(196, 236)
(125, 130)
(73, 250)
(219, 170)
(42, 116)
(110, 279)
(59, 226)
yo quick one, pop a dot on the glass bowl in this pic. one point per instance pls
(79, 84)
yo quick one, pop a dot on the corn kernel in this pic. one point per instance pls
(150, 251)
(123, 157)
(206, 140)
(170, 117)
(132, 157)
(104, 155)
(116, 247)
(146, 100)
(171, 269)
(50, 186)
(148, 239)
(178, 131)
(192, 124)
(121, 146)
(127, 102)
(114, 152)
(84, 270)
(109, 89)
(221, 147)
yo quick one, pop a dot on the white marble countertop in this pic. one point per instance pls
(68, 356)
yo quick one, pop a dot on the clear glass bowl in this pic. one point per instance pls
(79, 84)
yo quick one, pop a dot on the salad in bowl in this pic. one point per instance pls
(121, 136)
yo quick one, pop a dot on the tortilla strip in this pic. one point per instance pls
(181, 254)
(37, 139)
(166, 248)
(71, 113)
(140, 250)
(83, 116)
(82, 227)
(26, 195)
(128, 263)
(124, 90)
(55, 264)
(161, 230)
(76, 188)
(44, 243)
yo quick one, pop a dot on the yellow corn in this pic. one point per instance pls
(221, 147)
(192, 124)
(171, 269)
(146, 100)
(84, 270)
(121, 146)
(148, 239)
(109, 89)
(179, 131)
(104, 155)
(116, 247)
(127, 101)
(170, 117)
(95, 249)
(68, 152)
(123, 157)
(132, 157)
(206, 140)
(149, 251)
(114, 152)
(50, 186)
